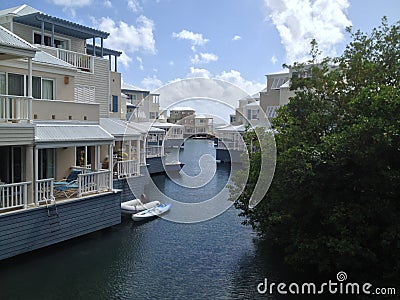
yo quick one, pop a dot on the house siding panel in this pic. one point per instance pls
(100, 80)
(32, 229)
(16, 135)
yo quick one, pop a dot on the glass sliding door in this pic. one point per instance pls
(16, 84)
(47, 89)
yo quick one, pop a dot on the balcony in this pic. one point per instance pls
(14, 195)
(127, 168)
(15, 108)
(82, 61)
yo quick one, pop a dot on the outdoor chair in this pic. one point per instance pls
(72, 177)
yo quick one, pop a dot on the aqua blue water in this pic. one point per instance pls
(159, 259)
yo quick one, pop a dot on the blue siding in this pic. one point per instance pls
(132, 187)
(31, 229)
(154, 165)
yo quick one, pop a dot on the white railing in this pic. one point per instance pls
(230, 145)
(174, 136)
(142, 157)
(15, 108)
(127, 168)
(154, 151)
(14, 195)
(79, 60)
(83, 169)
(94, 182)
(44, 190)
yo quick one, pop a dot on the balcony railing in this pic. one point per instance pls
(79, 60)
(44, 190)
(231, 145)
(94, 182)
(14, 195)
(154, 151)
(127, 168)
(174, 136)
(15, 108)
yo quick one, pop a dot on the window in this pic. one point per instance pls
(114, 104)
(272, 111)
(47, 89)
(276, 84)
(2, 84)
(152, 115)
(58, 43)
(16, 84)
(84, 93)
(42, 88)
(46, 163)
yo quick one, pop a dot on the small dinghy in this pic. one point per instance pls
(137, 205)
(152, 212)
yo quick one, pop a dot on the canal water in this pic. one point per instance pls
(158, 259)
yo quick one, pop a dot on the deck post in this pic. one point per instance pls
(42, 35)
(111, 165)
(30, 172)
(52, 35)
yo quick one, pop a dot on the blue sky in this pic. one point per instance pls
(236, 40)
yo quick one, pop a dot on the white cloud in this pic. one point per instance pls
(299, 21)
(171, 63)
(236, 38)
(274, 60)
(195, 38)
(204, 58)
(72, 3)
(134, 6)
(128, 38)
(151, 83)
(236, 78)
(139, 59)
(107, 3)
(195, 72)
(69, 6)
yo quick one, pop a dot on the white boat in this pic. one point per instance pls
(152, 212)
(136, 205)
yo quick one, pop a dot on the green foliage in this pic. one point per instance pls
(334, 201)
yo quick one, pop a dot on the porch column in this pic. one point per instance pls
(30, 89)
(109, 61)
(98, 160)
(130, 150)
(94, 46)
(101, 47)
(30, 174)
(52, 35)
(85, 161)
(111, 164)
(42, 34)
(138, 151)
(115, 64)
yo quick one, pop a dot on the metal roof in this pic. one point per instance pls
(60, 25)
(7, 38)
(145, 127)
(182, 108)
(18, 10)
(131, 88)
(56, 135)
(232, 128)
(119, 129)
(106, 51)
(166, 125)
